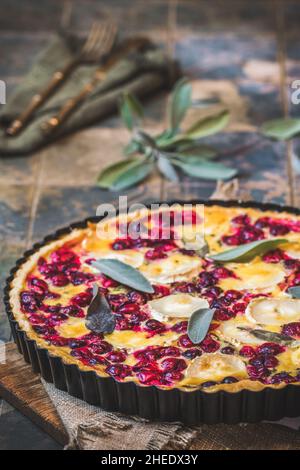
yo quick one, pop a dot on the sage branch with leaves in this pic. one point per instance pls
(172, 150)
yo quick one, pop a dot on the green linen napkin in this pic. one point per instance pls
(139, 73)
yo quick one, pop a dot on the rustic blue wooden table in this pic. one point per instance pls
(244, 52)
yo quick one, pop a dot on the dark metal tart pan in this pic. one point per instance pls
(150, 402)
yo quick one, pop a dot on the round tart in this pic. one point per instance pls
(147, 353)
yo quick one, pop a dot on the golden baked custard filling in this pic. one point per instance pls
(253, 339)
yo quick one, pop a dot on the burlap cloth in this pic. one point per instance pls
(90, 428)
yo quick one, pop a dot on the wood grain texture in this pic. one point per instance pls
(20, 387)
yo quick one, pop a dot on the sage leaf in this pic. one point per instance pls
(199, 324)
(99, 318)
(110, 174)
(205, 169)
(248, 251)
(123, 273)
(180, 101)
(131, 110)
(132, 175)
(166, 168)
(208, 126)
(281, 129)
(294, 292)
(269, 336)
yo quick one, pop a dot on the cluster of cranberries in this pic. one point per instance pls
(245, 231)
(63, 269)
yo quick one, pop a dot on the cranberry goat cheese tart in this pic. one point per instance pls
(236, 291)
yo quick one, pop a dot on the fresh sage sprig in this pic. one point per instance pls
(248, 251)
(199, 324)
(123, 273)
(171, 151)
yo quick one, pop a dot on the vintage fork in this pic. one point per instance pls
(129, 45)
(99, 43)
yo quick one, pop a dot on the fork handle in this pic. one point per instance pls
(71, 104)
(37, 100)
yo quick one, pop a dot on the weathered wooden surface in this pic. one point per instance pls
(23, 390)
(247, 53)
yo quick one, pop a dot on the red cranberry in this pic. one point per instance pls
(243, 219)
(150, 354)
(170, 351)
(63, 255)
(273, 256)
(29, 301)
(232, 295)
(291, 263)
(148, 377)
(116, 356)
(38, 286)
(44, 330)
(213, 292)
(58, 341)
(171, 364)
(76, 343)
(229, 380)
(107, 282)
(161, 291)
(227, 350)
(278, 229)
(262, 222)
(208, 384)
(82, 300)
(281, 377)
(270, 362)
(123, 324)
(247, 351)
(78, 278)
(72, 311)
(206, 279)
(292, 329)
(192, 353)
(186, 287)
(154, 325)
(239, 307)
(137, 297)
(156, 253)
(173, 376)
(122, 244)
(256, 372)
(129, 308)
(101, 347)
(185, 342)
(59, 280)
(118, 371)
(180, 327)
(209, 345)
(223, 314)
(116, 300)
(271, 349)
(222, 273)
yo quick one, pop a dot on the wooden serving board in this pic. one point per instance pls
(20, 387)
